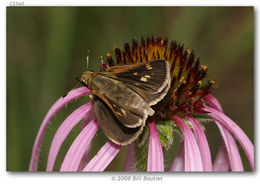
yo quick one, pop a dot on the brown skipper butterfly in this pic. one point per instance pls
(124, 94)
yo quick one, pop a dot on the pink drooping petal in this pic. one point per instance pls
(130, 158)
(104, 156)
(192, 157)
(231, 148)
(155, 154)
(59, 104)
(213, 102)
(221, 163)
(86, 156)
(229, 142)
(178, 162)
(63, 131)
(235, 130)
(203, 144)
(76, 151)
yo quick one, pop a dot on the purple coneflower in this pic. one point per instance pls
(188, 103)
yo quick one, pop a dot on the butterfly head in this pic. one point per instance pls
(84, 79)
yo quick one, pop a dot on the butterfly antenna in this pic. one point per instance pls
(87, 58)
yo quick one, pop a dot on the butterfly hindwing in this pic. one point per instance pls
(112, 127)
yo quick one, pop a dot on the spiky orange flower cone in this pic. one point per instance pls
(188, 84)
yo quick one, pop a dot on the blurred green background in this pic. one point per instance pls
(46, 49)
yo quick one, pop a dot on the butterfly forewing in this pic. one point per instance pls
(127, 105)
